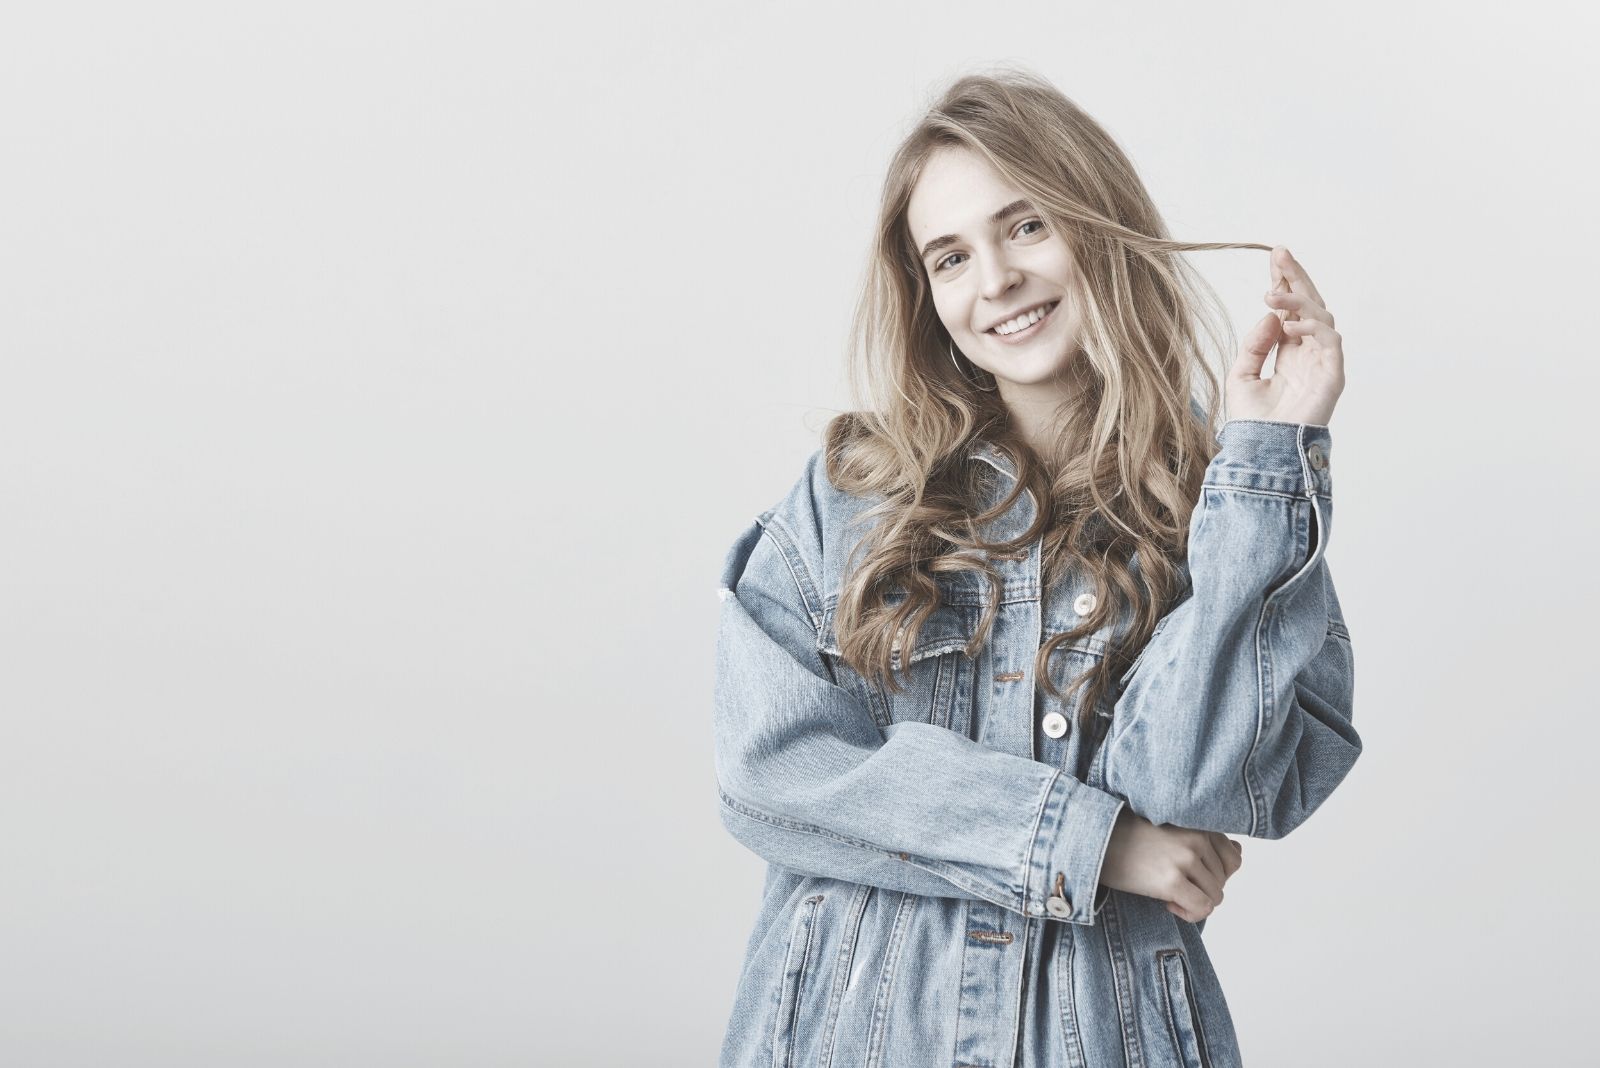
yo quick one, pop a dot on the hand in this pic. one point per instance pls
(1309, 373)
(1184, 868)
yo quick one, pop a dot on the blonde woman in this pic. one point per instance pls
(1028, 640)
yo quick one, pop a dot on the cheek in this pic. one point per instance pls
(1065, 272)
(953, 315)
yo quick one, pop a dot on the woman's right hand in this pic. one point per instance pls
(1184, 868)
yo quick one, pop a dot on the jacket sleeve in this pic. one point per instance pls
(1236, 717)
(809, 782)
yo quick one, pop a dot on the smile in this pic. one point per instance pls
(1024, 327)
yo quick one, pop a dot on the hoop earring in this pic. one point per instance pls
(986, 389)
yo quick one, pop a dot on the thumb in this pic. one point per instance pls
(1256, 346)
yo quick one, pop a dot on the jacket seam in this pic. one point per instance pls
(784, 540)
(1101, 864)
(1258, 491)
(1028, 863)
(1263, 688)
(1265, 675)
(977, 891)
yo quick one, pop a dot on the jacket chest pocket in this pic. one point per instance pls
(935, 679)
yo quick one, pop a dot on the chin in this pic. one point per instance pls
(1030, 373)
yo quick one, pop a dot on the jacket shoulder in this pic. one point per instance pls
(814, 520)
(795, 548)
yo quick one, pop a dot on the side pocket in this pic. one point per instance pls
(793, 987)
(1183, 1015)
(843, 971)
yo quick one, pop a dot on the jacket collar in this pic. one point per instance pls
(986, 450)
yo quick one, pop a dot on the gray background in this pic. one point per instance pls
(383, 384)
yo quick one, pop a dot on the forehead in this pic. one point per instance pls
(955, 194)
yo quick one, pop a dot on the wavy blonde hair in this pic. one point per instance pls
(1123, 483)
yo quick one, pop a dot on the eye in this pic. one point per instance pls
(940, 265)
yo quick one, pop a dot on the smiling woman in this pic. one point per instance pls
(1027, 640)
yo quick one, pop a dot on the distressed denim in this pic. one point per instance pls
(932, 892)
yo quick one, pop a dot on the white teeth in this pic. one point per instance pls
(1022, 322)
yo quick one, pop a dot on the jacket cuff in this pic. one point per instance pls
(1263, 454)
(1074, 830)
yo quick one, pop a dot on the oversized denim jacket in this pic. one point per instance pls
(932, 892)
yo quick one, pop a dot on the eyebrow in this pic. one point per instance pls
(1006, 212)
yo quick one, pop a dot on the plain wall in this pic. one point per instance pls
(383, 383)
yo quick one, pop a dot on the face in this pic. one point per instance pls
(989, 258)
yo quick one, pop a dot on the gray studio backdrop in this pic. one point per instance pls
(383, 384)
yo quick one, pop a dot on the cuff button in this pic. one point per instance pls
(1318, 458)
(1058, 906)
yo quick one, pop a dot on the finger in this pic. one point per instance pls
(1287, 267)
(1280, 287)
(1213, 861)
(1197, 899)
(1315, 328)
(1227, 853)
(1300, 304)
(1200, 874)
(1256, 346)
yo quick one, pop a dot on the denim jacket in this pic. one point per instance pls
(932, 894)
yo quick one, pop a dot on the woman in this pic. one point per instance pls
(1027, 640)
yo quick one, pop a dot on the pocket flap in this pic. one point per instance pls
(945, 631)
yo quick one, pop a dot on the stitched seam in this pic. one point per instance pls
(952, 876)
(1230, 488)
(1166, 999)
(783, 1054)
(881, 1013)
(1264, 668)
(844, 963)
(1100, 865)
(785, 542)
(1194, 1014)
(1033, 844)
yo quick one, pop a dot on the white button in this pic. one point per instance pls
(1055, 724)
(1058, 906)
(1084, 604)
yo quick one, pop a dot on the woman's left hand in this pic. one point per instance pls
(1309, 373)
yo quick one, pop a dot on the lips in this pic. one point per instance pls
(1029, 330)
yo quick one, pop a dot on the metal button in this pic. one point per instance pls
(1058, 906)
(1084, 604)
(1055, 724)
(1318, 458)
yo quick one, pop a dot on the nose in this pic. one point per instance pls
(996, 276)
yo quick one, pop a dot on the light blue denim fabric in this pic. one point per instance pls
(932, 893)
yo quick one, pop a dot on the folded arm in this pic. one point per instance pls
(808, 781)
(1237, 715)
